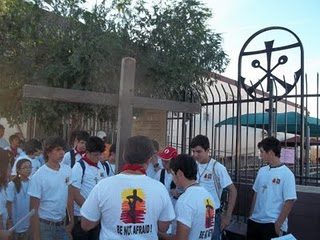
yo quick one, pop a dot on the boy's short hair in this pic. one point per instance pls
(95, 144)
(271, 144)
(200, 140)
(32, 146)
(2, 127)
(138, 150)
(82, 135)
(13, 137)
(185, 164)
(51, 143)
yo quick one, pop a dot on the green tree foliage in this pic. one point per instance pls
(58, 43)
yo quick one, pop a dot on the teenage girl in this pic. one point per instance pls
(18, 200)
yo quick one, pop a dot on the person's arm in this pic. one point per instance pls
(182, 233)
(225, 219)
(286, 209)
(35, 225)
(70, 210)
(9, 210)
(87, 225)
(253, 203)
(90, 211)
(78, 198)
(163, 226)
(4, 234)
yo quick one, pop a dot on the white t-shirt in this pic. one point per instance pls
(3, 209)
(195, 209)
(85, 182)
(35, 163)
(112, 168)
(67, 158)
(167, 179)
(4, 143)
(129, 207)
(206, 179)
(20, 204)
(51, 187)
(151, 171)
(273, 187)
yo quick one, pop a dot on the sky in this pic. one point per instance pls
(237, 20)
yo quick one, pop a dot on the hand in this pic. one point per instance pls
(9, 224)
(277, 228)
(5, 234)
(174, 193)
(225, 221)
(69, 227)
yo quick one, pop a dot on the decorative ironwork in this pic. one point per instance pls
(268, 68)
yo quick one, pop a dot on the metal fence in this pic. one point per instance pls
(221, 103)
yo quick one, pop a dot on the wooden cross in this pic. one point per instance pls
(125, 102)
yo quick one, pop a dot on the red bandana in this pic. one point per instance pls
(134, 167)
(87, 160)
(14, 151)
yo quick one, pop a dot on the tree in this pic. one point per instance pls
(58, 43)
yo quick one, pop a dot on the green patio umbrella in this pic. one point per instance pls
(285, 122)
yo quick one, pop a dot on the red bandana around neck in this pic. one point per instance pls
(134, 167)
(14, 151)
(87, 160)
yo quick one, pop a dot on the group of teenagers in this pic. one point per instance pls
(157, 194)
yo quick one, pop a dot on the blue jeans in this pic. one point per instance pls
(52, 232)
(217, 224)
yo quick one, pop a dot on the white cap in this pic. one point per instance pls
(101, 134)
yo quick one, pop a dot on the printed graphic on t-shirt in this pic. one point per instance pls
(276, 181)
(208, 176)
(209, 213)
(133, 207)
(133, 211)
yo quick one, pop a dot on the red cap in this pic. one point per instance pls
(168, 153)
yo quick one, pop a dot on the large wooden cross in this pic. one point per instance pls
(125, 102)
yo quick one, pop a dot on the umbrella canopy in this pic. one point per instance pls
(285, 122)
(296, 141)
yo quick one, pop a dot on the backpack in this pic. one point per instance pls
(162, 174)
(72, 157)
(83, 166)
(225, 192)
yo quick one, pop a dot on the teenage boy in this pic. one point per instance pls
(32, 150)
(195, 207)
(164, 175)
(86, 173)
(130, 205)
(50, 195)
(274, 194)
(79, 148)
(155, 163)
(214, 177)
(14, 147)
(110, 163)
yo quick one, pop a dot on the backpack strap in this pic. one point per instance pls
(72, 157)
(83, 166)
(216, 179)
(107, 167)
(163, 171)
